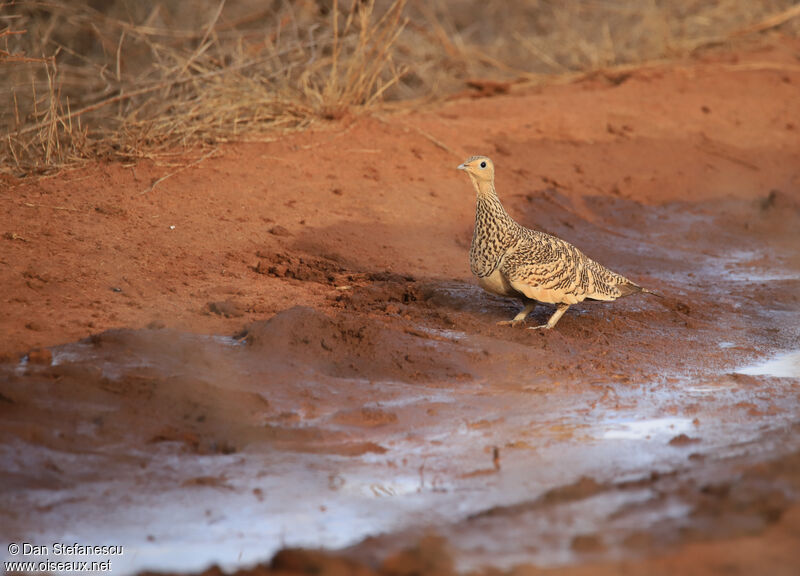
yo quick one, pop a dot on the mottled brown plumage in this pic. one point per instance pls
(511, 260)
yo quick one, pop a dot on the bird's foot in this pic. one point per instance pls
(511, 323)
(541, 327)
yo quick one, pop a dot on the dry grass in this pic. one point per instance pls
(140, 77)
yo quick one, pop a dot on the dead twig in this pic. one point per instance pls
(772, 22)
(65, 208)
(15, 236)
(178, 171)
(422, 133)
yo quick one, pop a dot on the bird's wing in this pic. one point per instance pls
(549, 269)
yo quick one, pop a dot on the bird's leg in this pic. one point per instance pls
(519, 318)
(560, 309)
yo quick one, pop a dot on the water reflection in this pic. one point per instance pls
(630, 429)
(783, 366)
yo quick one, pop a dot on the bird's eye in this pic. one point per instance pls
(483, 164)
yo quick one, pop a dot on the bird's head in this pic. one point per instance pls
(479, 168)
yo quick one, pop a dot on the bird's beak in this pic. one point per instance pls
(462, 166)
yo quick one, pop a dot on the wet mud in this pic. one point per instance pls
(325, 374)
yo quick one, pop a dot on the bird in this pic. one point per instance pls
(511, 260)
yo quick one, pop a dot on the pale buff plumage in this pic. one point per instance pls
(511, 260)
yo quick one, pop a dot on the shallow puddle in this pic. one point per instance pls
(329, 460)
(627, 429)
(785, 365)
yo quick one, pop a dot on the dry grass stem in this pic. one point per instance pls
(134, 79)
(181, 169)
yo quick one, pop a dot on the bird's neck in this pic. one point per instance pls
(485, 188)
(494, 232)
(488, 202)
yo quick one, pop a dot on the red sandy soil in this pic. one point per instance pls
(679, 177)
(93, 248)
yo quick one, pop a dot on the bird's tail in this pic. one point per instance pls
(631, 288)
(646, 291)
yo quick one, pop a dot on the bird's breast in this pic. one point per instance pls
(496, 283)
(486, 251)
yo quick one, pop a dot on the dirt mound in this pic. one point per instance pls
(299, 267)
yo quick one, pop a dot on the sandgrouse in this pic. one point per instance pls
(511, 260)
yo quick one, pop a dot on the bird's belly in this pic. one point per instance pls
(496, 283)
(547, 295)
